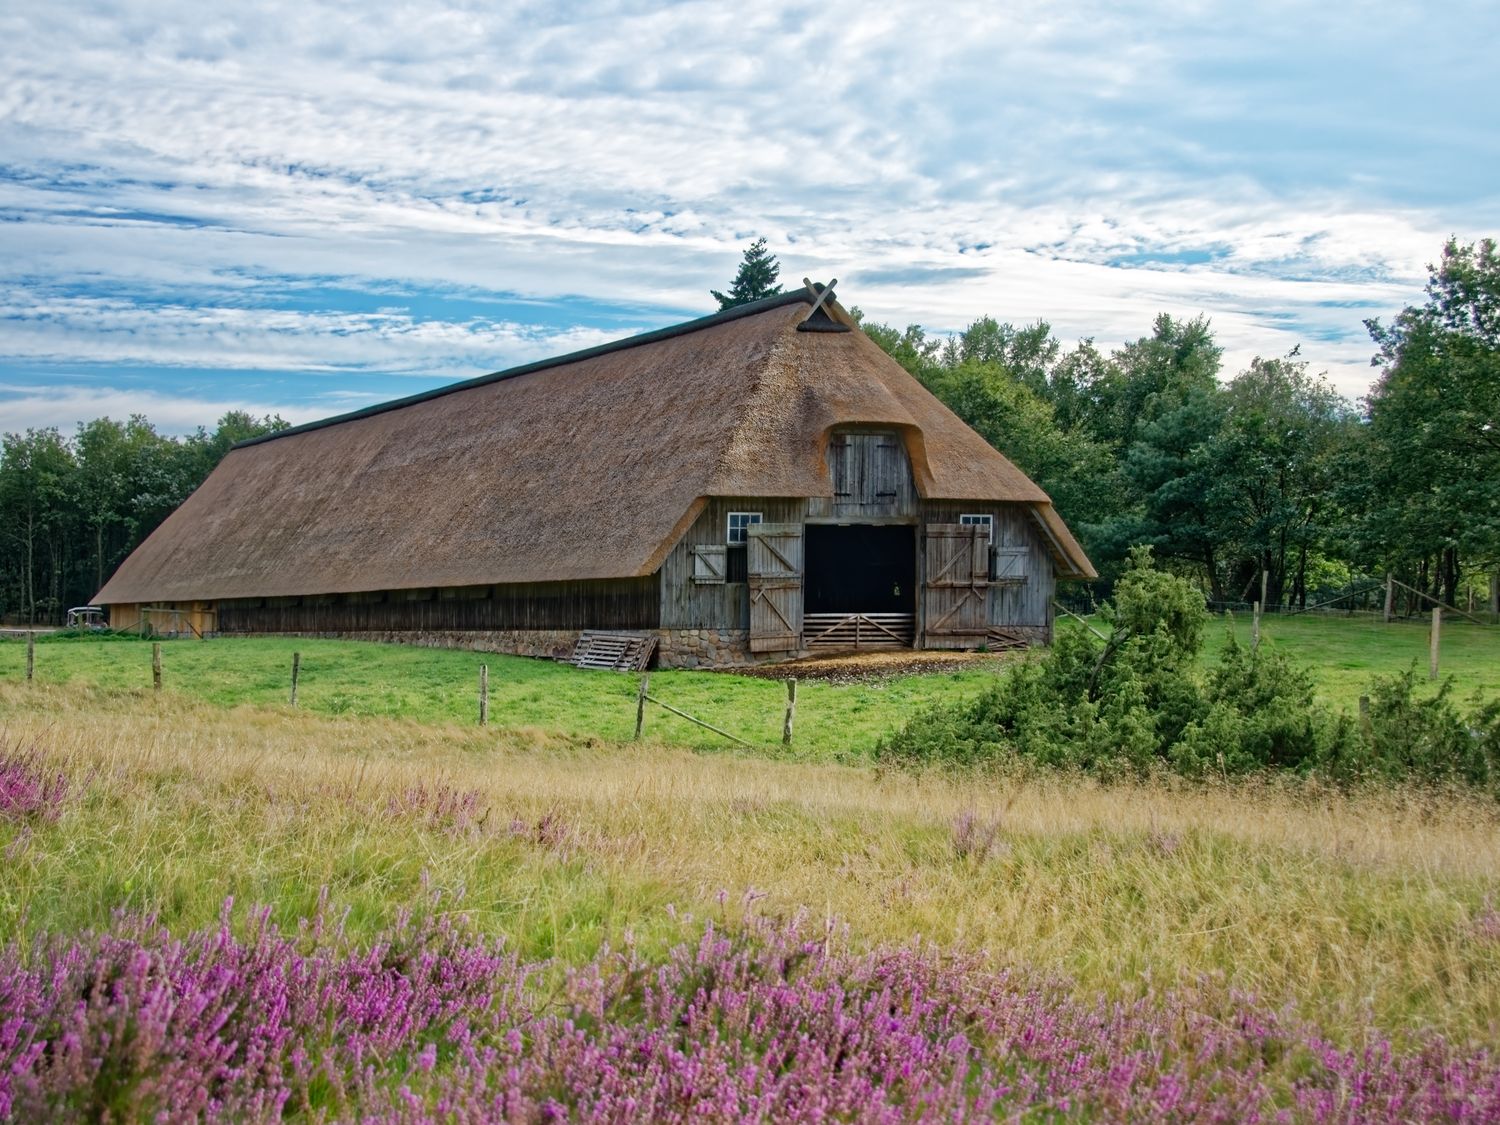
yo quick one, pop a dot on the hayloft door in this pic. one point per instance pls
(956, 585)
(773, 565)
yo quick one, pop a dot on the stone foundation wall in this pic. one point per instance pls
(551, 644)
(712, 648)
(676, 648)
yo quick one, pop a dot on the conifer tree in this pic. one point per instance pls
(756, 279)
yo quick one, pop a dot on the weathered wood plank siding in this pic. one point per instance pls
(776, 566)
(1029, 604)
(686, 604)
(956, 595)
(871, 476)
(617, 603)
(165, 618)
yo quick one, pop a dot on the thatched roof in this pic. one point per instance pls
(591, 465)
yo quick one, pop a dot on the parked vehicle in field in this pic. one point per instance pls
(87, 617)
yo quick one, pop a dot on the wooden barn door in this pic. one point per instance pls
(773, 564)
(956, 585)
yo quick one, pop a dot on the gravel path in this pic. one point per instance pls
(858, 667)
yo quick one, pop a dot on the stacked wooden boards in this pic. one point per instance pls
(614, 651)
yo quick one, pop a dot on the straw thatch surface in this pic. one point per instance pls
(587, 467)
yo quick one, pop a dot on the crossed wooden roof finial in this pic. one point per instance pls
(819, 298)
(812, 322)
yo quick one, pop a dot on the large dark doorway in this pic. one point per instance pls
(860, 568)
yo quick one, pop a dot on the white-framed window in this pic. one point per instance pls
(739, 527)
(986, 522)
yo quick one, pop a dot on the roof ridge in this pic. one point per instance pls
(724, 316)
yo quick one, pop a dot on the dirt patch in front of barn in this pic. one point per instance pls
(858, 667)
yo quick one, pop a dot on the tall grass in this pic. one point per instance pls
(1377, 906)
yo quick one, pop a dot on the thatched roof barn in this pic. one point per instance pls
(571, 483)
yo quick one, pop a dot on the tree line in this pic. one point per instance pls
(72, 507)
(1269, 472)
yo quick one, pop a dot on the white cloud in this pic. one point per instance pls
(74, 329)
(172, 171)
(23, 408)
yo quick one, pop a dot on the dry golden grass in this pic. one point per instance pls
(1379, 902)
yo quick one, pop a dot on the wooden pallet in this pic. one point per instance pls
(616, 652)
(858, 631)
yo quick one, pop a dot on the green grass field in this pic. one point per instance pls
(342, 678)
(837, 721)
(1345, 652)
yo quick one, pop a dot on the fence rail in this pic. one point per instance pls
(858, 630)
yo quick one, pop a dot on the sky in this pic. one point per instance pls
(306, 207)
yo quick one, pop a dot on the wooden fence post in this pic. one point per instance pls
(1364, 715)
(1432, 654)
(296, 672)
(30, 655)
(640, 707)
(791, 711)
(1390, 595)
(1255, 629)
(484, 694)
(156, 665)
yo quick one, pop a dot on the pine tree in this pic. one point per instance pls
(756, 279)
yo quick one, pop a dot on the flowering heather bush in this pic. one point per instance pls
(440, 807)
(764, 1025)
(976, 839)
(550, 832)
(28, 788)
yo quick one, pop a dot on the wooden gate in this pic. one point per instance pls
(954, 593)
(773, 565)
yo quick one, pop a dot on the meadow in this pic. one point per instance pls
(340, 678)
(839, 721)
(1344, 651)
(1257, 947)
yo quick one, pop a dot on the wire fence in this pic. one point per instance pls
(1365, 602)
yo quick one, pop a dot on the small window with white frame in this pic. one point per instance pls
(739, 527)
(987, 522)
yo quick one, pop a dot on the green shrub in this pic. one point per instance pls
(1262, 716)
(1109, 708)
(1430, 738)
(1134, 704)
(1150, 601)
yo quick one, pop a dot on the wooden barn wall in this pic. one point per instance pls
(617, 603)
(871, 476)
(124, 616)
(686, 604)
(1027, 605)
(164, 618)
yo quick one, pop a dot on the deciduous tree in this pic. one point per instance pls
(1434, 419)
